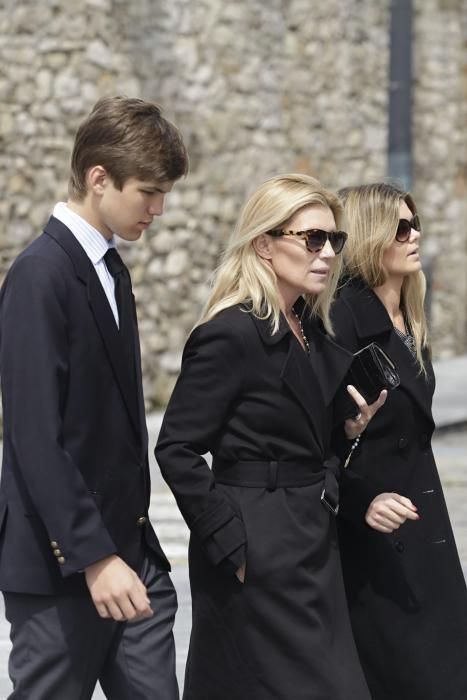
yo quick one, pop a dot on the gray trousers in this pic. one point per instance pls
(62, 648)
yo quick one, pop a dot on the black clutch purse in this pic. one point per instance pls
(371, 371)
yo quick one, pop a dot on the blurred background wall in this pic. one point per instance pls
(257, 88)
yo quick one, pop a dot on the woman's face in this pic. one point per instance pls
(298, 270)
(402, 259)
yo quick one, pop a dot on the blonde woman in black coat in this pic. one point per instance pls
(406, 589)
(258, 378)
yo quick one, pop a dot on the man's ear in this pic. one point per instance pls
(262, 246)
(97, 179)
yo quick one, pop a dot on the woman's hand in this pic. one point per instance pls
(355, 426)
(240, 573)
(388, 511)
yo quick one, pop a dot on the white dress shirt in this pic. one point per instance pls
(95, 246)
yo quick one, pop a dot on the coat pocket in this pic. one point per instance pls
(433, 526)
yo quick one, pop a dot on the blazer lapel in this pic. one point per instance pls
(139, 388)
(110, 335)
(102, 314)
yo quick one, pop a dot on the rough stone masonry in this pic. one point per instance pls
(257, 88)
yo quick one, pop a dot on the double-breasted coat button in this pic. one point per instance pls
(61, 560)
(141, 521)
(399, 546)
(57, 552)
(403, 442)
(54, 544)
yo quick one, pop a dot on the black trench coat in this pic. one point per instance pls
(406, 591)
(284, 634)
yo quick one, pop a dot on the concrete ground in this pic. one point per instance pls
(450, 447)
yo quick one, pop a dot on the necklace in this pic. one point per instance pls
(408, 340)
(302, 332)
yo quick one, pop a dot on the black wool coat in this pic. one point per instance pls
(245, 395)
(75, 478)
(406, 591)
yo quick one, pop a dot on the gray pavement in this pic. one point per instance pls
(450, 401)
(450, 447)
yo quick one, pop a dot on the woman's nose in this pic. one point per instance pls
(327, 250)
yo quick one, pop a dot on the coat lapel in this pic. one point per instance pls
(102, 314)
(372, 323)
(298, 376)
(314, 379)
(330, 361)
(413, 381)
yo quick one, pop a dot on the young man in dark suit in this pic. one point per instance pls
(86, 584)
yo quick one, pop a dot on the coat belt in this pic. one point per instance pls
(272, 475)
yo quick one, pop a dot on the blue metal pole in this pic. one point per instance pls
(400, 93)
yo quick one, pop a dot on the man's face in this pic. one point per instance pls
(128, 212)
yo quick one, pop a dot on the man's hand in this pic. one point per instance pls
(388, 511)
(116, 590)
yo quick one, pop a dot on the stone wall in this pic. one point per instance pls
(440, 159)
(257, 89)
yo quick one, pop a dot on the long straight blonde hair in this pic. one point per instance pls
(371, 218)
(243, 277)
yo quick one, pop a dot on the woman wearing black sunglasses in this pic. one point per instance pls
(255, 390)
(405, 586)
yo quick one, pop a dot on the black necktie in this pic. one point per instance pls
(125, 305)
(123, 293)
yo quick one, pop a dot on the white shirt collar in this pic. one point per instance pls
(93, 242)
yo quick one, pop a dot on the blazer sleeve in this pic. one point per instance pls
(34, 361)
(211, 380)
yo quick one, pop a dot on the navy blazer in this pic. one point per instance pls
(75, 477)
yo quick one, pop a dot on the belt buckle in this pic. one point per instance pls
(327, 503)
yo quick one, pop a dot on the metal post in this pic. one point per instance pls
(400, 97)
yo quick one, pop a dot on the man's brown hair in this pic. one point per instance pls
(129, 138)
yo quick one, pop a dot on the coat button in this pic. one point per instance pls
(141, 520)
(57, 552)
(403, 442)
(61, 560)
(54, 544)
(399, 546)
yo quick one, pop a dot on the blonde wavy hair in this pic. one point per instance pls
(371, 218)
(243, 277)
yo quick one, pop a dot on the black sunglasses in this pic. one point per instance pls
(404, 228)
(315, 238)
